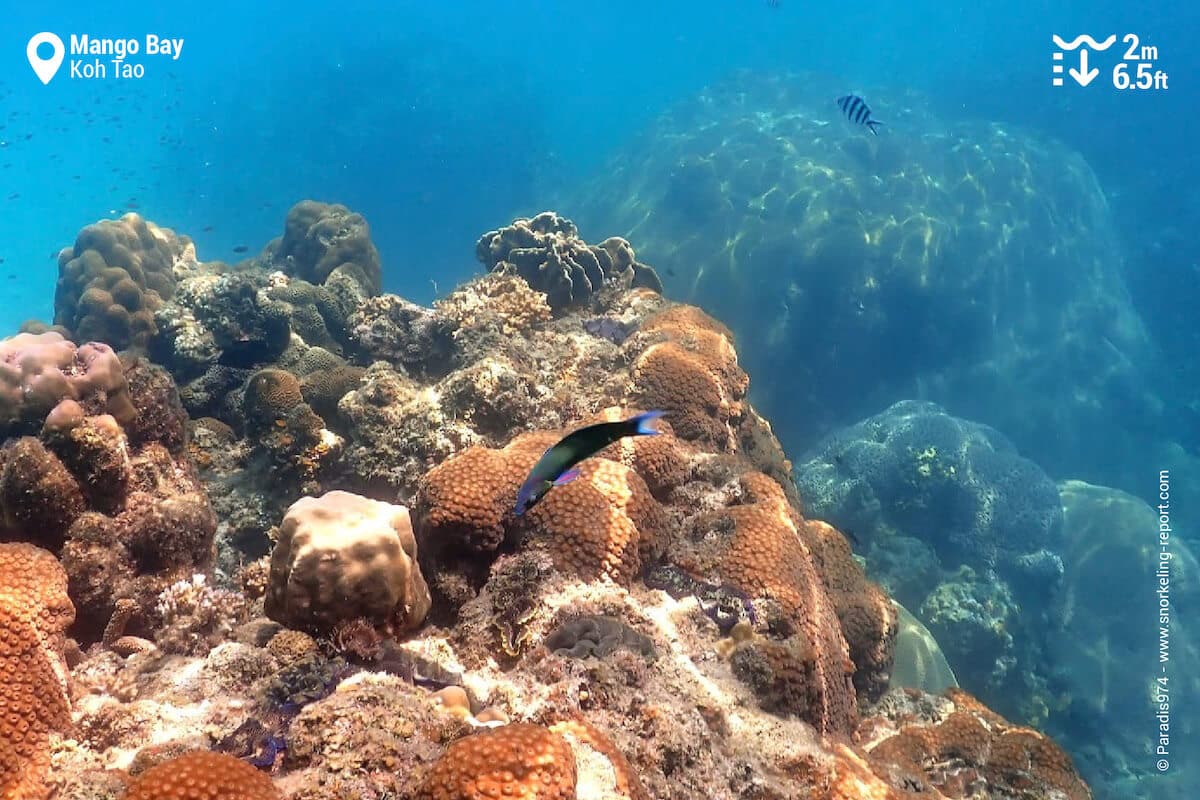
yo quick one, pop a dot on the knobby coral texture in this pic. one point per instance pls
(115, 277)
(93, 468)
(318, 588)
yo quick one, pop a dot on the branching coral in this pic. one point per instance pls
(197, 617)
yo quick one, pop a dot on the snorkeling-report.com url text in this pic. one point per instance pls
(1161, 691)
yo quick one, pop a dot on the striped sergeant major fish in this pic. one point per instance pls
(856, 110)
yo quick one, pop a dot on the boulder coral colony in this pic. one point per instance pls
(268, 550)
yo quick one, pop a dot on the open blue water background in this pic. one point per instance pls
(445, 120)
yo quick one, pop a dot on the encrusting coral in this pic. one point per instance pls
(690, 370)
(604, 524)
(961, 748)
(34, 615)
(758, 547)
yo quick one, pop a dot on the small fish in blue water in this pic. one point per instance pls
(856, 110)
(557, 467)
(241, 248)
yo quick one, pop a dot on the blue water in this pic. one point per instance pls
(447, 121)
(454, 117)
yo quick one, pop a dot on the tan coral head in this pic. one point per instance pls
(341, 557)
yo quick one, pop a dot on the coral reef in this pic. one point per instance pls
(547, 252)
(669, 625)
(959, 486)
(392, 329)
(973, 619)
(962, 749)
(764, 548)
(842, 261)
(114, 279)
(218, 318)
(342, 557)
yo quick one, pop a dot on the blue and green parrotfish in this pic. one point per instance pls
(557, 465)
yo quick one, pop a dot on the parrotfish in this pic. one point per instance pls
(557, 467)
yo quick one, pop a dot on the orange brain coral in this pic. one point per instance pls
(605, 523)
(661, 460)
(692, 373)
(757, 548)
(868, 618)
(520, 761)
(34, 613)
(202, 776)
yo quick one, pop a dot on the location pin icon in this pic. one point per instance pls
(45, 68)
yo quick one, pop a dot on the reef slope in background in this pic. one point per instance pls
(965, 263)
(670, 625)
